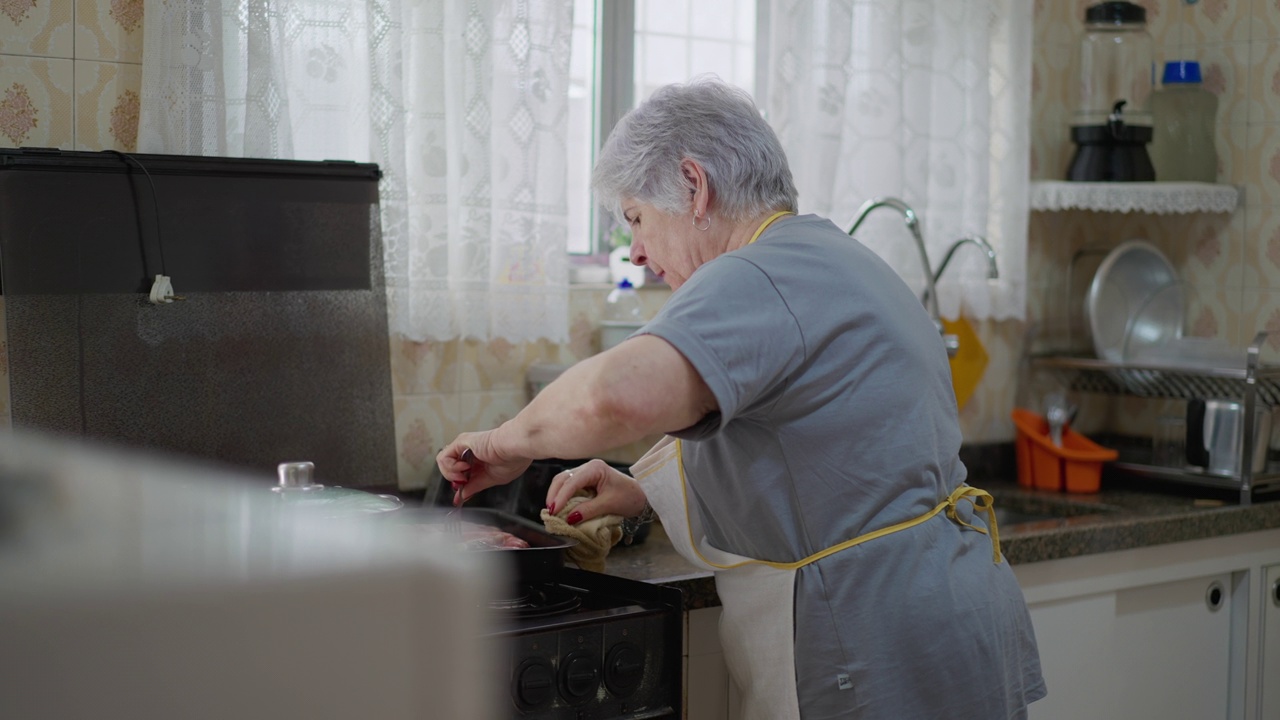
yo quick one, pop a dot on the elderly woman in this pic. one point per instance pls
(811, 451)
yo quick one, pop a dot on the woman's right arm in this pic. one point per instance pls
(640, 387)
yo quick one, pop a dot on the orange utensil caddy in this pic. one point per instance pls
(1075, 467)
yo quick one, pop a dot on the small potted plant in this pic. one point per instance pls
(620, 265)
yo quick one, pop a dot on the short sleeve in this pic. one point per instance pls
(737, 331)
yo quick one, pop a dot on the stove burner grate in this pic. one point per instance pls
(538, 601)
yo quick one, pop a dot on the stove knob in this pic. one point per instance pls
(579, 676)
(535, 684)
(623, 668)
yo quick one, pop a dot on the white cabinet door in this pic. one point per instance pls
(1269, 670)
(1156, 651)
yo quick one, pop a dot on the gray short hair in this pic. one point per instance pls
(706, 120)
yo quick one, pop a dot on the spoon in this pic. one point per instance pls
(453, 520)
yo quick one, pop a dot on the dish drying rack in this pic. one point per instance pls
(1251, 384)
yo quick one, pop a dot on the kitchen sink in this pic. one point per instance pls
(1008, 518)
(1014, 509)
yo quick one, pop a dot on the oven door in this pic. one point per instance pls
(614, 652)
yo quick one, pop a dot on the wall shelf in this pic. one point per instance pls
(1163, 198)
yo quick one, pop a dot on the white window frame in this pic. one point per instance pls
(613, 93)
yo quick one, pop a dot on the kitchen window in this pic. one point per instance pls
(622, 51)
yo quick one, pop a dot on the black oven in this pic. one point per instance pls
(591, 646)
(575, 644)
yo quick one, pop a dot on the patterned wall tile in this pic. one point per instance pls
(1227, 71)
(1261, 265)
(1165, 25)
(1213, 21)
(36, 102)
(421, 368)
(37, 27)
(108, 102)
(1231, 142)
(1260, 311)
(1264, 20)
(1207, 248)
(487, 410)
(495, 365)
(1264, 82)
(1214, 312)
(424, 424)
(109, 30)
(1259, 170)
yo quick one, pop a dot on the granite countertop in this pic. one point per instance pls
(1123, 516)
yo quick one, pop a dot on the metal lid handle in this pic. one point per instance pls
(295, 476)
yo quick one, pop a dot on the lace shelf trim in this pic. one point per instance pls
(1164, 198)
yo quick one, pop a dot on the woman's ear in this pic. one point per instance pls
(699, 187)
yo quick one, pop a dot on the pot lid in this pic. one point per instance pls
(297, 488)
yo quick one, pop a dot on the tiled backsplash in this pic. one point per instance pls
(70, 74)
(442, 389)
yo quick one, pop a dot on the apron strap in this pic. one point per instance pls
(980, 499)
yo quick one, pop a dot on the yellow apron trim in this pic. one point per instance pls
(980, 499)
(767, 223)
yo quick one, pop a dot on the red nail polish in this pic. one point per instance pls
(574, 518)
(551, 508)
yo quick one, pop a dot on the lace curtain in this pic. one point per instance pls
(928, 101)
(460, 103)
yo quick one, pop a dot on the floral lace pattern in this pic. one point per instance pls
(928, 102)
(473, 193)
(18, 115)
(1145, 197)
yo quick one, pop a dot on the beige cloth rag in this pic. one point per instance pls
(595, 536)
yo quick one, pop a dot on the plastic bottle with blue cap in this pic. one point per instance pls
(623, 314)
(1185, 115)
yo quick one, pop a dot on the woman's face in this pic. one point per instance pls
(667, 244)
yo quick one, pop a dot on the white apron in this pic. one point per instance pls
(757, 596)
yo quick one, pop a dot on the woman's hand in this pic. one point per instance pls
(484, 468)
(616, 492)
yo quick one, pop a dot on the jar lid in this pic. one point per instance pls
(1115, 12)
(1181, 71)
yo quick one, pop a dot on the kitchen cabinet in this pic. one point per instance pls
(1180, 630)
(1106, 654)
(709, 693)
(1161, 631)
(1269, 665)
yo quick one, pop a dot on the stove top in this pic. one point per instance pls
(590, 646)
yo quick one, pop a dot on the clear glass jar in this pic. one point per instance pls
(1185, 116)
(1115, 65)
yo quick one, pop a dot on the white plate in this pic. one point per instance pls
(1135, 301)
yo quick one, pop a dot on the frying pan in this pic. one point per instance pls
(541, 561)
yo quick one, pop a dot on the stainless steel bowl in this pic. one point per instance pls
(1136, 301)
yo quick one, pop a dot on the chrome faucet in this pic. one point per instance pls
(913, 224)
(993, 271)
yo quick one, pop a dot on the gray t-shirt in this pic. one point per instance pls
(837, 418)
